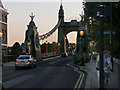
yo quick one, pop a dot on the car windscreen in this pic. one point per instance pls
(27, 57)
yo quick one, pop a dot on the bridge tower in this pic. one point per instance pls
(64, 29)
(31, 44)
(61, 13)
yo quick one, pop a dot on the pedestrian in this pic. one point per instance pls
(107, 63)
(90, 55)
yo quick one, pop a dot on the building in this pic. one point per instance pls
(3, 28)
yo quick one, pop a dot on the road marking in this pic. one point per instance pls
(50, 58)
(76, 85)
(80, 79)
(55, 62)
(13, 82)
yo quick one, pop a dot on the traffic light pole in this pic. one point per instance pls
(101, 8)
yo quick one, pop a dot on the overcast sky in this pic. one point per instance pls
(46, 17)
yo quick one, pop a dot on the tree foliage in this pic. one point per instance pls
(93, 27)
(16, 49)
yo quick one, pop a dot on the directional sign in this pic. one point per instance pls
(108, 32)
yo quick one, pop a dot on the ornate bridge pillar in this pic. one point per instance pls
(62, 40)
(61, 35)
(31, 44)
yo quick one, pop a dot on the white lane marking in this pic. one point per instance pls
(13, 82)
(49, 58)
(55, 62)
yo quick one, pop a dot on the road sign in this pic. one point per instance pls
(97, 13)
(108, 32)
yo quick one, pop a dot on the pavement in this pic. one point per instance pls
(91, 80)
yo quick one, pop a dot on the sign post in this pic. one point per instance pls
(101, 8)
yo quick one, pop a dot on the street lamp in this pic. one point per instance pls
(58, 48)
(58, 44)
(1, 34)
(46, 48)
(81, 33)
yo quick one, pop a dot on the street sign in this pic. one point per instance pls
(97, 13)
(108, 32)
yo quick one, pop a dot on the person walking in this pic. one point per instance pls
(90, 55)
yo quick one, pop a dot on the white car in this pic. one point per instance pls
(25, 61)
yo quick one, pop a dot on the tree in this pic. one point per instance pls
(16, 50)
(94, 26)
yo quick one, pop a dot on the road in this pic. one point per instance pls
(52, 73)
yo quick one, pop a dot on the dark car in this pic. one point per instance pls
(64, 54)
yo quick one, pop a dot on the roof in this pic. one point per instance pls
(1, 5)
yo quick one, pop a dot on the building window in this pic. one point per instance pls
(2, 18)
(2, 36)
(6, 19)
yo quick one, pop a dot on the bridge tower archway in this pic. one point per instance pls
(65, 28)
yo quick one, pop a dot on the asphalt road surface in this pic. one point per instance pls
(52, 73)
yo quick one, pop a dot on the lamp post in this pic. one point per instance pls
(46, 48)
(1, 34)
(58, 48)
(101, 17)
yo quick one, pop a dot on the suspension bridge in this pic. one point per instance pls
(32, 37)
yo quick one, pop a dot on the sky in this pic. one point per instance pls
(46, 17)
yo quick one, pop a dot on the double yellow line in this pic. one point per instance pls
(80, 79)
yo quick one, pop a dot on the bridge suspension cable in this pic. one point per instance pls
(44, 36)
